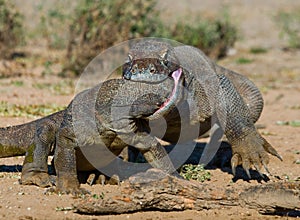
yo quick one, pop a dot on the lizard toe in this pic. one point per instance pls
(114, 180)
(268, 147)
(246, 166)
(40, 179)
(101, 180)
(258, 169)
(234, 163)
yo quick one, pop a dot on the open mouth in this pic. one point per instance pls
(172, 100)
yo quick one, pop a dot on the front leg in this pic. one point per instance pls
(151, 149)
(248, 146)
(35, 166)
(65, 163)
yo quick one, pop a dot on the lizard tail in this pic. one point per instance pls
(15, 140)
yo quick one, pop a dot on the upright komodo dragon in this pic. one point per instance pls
(110, 115)
(218, 93)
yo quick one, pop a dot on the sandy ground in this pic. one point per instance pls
(276, 72)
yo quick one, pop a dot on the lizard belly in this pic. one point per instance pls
(100, 153)
(179, 125)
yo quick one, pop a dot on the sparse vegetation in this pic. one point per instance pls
(86, 27)
(53, 24)
(258, 50)
(244, 60)
(214, 36)
(293, 123)
(31, 111)
(64, 87)
(195, 172)
(97, 25)
(17, 83)
(289, 24)
(11, 29)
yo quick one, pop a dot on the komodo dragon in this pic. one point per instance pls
(230, 97)
(110, 115)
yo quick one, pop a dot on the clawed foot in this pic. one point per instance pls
(102, 179)
(40, 179)
(74, 191)
(250, 151)
(68, 184)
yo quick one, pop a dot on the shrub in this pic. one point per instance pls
(214, 37)
(195, 172)
(11, 30)
(289, 24)
(100, 24)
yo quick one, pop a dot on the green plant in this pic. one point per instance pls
(17, 83)
(293, 123)
(244, 60)
(11, 28)
(258, 50)
(195, 172)
(53, 23)
(47, 68)
(63, 87)
(289, 24)
(97, 25)
(14, 110)
(213, 36)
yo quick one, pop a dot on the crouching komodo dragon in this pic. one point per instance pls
(108, 116)
(232, 98)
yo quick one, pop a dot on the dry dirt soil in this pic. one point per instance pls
(276, 72)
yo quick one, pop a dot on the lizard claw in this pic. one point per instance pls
(101, 180)
(234, 163)
(271, 149)
(252, 150)
(266, 168)
(258, 170)
(91, 179)
(246, 167)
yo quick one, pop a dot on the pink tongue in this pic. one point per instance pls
(165, 106)
(176, 75)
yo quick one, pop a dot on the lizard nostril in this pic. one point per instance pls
(127, 75)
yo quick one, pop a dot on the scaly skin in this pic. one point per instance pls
(110, 116)
(217, 93)
(34, 140)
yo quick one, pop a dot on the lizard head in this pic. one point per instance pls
(154, 61)
(150, 61)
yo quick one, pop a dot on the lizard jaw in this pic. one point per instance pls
(166, 107)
